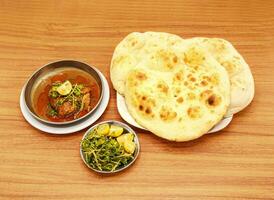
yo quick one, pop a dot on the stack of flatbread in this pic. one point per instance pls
(180, 88)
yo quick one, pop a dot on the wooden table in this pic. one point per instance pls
(236, 163)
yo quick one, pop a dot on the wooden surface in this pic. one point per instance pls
(236, 163)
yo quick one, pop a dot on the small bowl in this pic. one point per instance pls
(52, 69)
(128, 129)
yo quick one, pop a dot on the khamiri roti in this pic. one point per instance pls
(241, 79)
(178, 101)
(138, 46)
(133, 49)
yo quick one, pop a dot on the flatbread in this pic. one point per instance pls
(178, 94)
(136, 47)
(241, 79)
(133, 49)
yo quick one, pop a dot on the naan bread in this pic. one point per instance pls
(133, 49)
(178, 94)
(136, 47)
(241, 79)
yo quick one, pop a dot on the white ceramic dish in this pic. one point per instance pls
(122, 109)
(69, 128)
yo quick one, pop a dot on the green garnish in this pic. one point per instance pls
(51, 111)
(77, 90)
(53, 91)
(104, 152)
(53, 94)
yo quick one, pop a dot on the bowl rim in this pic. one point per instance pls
(65, 122)
(128, 128)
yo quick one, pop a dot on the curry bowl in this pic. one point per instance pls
(109, 147)
(63, 92)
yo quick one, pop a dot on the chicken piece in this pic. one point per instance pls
(85, 90)
(66, 109)
(86, 101)
(53, 102)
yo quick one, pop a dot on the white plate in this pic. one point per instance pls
(69, 128)
(122, 109)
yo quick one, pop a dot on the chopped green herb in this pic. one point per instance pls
(104, 152)
(51, 111)
(53, 94)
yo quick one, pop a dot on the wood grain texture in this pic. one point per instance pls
(236, 163)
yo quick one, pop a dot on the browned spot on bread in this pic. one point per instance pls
(204, 83)
(206, 78)
(196, 67)
(120, 59)
(132, 82)
(210, 98)
(193, 79)
(186, 83)
(141, 76)
(191, 96)
(205, 94)
(194, 56)
(152, 101)
(163, 87)
(175, 59)
(145, 105)
(180, 100)
(133, 43)
(219, 45)
(178, 76)
(168, 58)
(194, 112)
(230, 66)
(148, 110)
(214, 79)
(213, 100)
(167, 114)
(193, 68)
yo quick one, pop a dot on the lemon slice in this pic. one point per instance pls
(129, 146)
(65, 88)
(103, 129)
(115, 131)
(125, 137)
